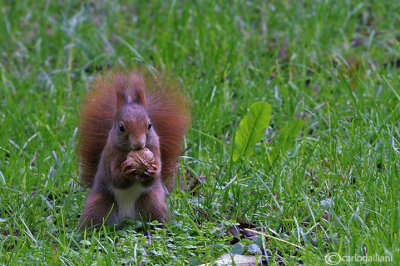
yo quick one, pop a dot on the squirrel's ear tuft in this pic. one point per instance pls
(139, 97)
(137, 83)
(121, 91)
(123, 98)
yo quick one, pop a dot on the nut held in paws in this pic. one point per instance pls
(141, 160)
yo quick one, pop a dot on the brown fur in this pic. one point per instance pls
(115, 120)
(169, 113)
(168, 110)
(151, 205)
(99, 206)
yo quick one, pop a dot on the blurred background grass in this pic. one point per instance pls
(333, 64)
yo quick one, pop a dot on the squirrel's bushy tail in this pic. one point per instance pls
(168, 110)
(95, 121)
(169, 113)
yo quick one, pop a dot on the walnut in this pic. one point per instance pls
(141, 160)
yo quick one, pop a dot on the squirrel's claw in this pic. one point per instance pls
(127, 168)
(149, 173)
(153, 167)
(130, 171)
(152, 170)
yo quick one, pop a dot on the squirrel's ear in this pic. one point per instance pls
(123, 98)
(139, 97)
(137, 83)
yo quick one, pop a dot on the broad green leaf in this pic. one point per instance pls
(285, 139)
(251, 129)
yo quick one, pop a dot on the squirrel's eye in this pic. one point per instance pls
(121, 128)
(148, 125)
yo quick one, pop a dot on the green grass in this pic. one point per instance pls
(335, 190)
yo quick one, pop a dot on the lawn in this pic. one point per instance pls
(328, 184)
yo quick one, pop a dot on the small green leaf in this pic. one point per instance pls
(253, 249)
(195, 261)
(237, 249)
(285, 139)
(251, 129)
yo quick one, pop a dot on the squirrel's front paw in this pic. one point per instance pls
(148, 177)
(127, 167)
(152, 170)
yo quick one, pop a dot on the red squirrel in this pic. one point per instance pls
(125, 112)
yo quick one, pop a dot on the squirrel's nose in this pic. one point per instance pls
(137, 143)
